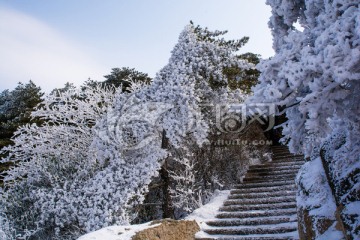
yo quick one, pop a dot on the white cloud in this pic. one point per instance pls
(30, 49)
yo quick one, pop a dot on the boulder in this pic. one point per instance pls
(169, 230)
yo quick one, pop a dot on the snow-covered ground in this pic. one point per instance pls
(200, 215)
(116, 232)
(209, 210)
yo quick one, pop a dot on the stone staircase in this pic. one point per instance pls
(263, 206)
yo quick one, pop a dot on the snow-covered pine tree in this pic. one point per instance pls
(15, 109)
(314, 79)
(175, 103)
(214, 66)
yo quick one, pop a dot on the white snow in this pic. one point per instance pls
(117, 232)
(331, 233)
(209, 210)
(317, 194)
(200, 215)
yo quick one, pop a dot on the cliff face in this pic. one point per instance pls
(169, 230)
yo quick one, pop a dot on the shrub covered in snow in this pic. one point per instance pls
(45, 191)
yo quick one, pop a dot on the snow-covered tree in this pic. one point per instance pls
(15, 109)
(187, 193)
(314, 79)
(175, 103)
(124, 77)
(314, 75)
(43, 193)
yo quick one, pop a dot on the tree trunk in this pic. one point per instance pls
(168, 211)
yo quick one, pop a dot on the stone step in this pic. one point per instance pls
(277, 165)
(271, 173)
(261, 170)
(262, 195)
(287, 158)
(272, 167)
(269, 200)
(281, 152)
(273, 170)
(248, 207)
(279, 149)
(251, 221)
(263, 206)
(261, 229)
(264, 189)
(269, 178)
(281, 236)
(280, 162)
(277, 152)
(274, 183)
(257, 213)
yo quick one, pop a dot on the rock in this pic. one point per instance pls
(169, 230)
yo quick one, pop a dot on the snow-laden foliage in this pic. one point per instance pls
(175, 103)
(188, 193)
(46, 190)
(314, 77)
(194, 71)
(315, 73)
(184, 197)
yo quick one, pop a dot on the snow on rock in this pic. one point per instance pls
(316, 204)
(331, 233)
(314, 192)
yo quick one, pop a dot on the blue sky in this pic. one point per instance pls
(54, 42)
